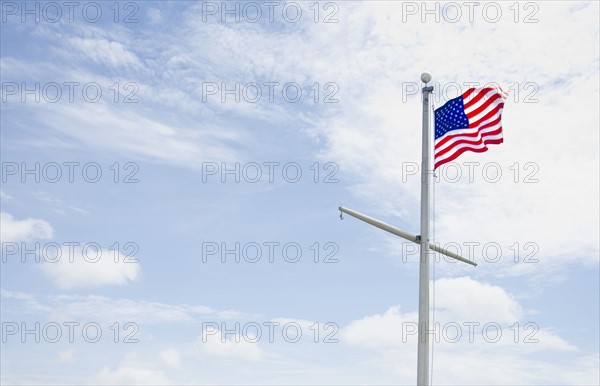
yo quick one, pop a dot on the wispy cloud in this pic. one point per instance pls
(107, 309)
(14, 230)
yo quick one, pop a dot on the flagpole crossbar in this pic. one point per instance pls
(407, 236)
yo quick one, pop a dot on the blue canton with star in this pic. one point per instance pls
(450, 116)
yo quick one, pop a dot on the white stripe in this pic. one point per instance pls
(489, 120)
(463, 145)
(473, 145)
(488, 95)
(458, 137)
(484, 138)
(454, 140)
(469, 130)
(489, 108)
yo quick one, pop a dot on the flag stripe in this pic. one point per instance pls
(483, 107)
(456, 151)
(455, 155)
(480, 93)
(490, 111)
(478, 138)
(481, 137)
(471, 132)
(468, 123)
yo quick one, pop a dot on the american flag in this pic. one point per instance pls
(469, 122)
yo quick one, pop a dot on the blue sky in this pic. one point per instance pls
(134, 120)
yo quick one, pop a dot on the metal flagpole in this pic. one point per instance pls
(423, 348)
(423, 240)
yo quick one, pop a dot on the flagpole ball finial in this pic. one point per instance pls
(425, 77)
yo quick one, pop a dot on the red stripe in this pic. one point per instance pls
(497, 111)
(477, 141)
(489, 124)
(473, 141)
(482, 92)
(449, 135)
(483, 106)
(464, 149)
(473, 100)
(466, 94)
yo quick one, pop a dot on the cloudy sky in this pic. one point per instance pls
(171, 173)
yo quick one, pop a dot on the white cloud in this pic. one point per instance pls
(155, 15)
(223, 344)
(378, 129)
(131, 371)
(140, 136)
(103, 51)
(66, 356)
(464, 298)
(13, 230)
(458, 301)
(59, 206)
(304, 324)
(474, 343)
(89, 267)
(171, 357)
(21, 302)
(108, 310)
(5, 196)
(380, 331)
